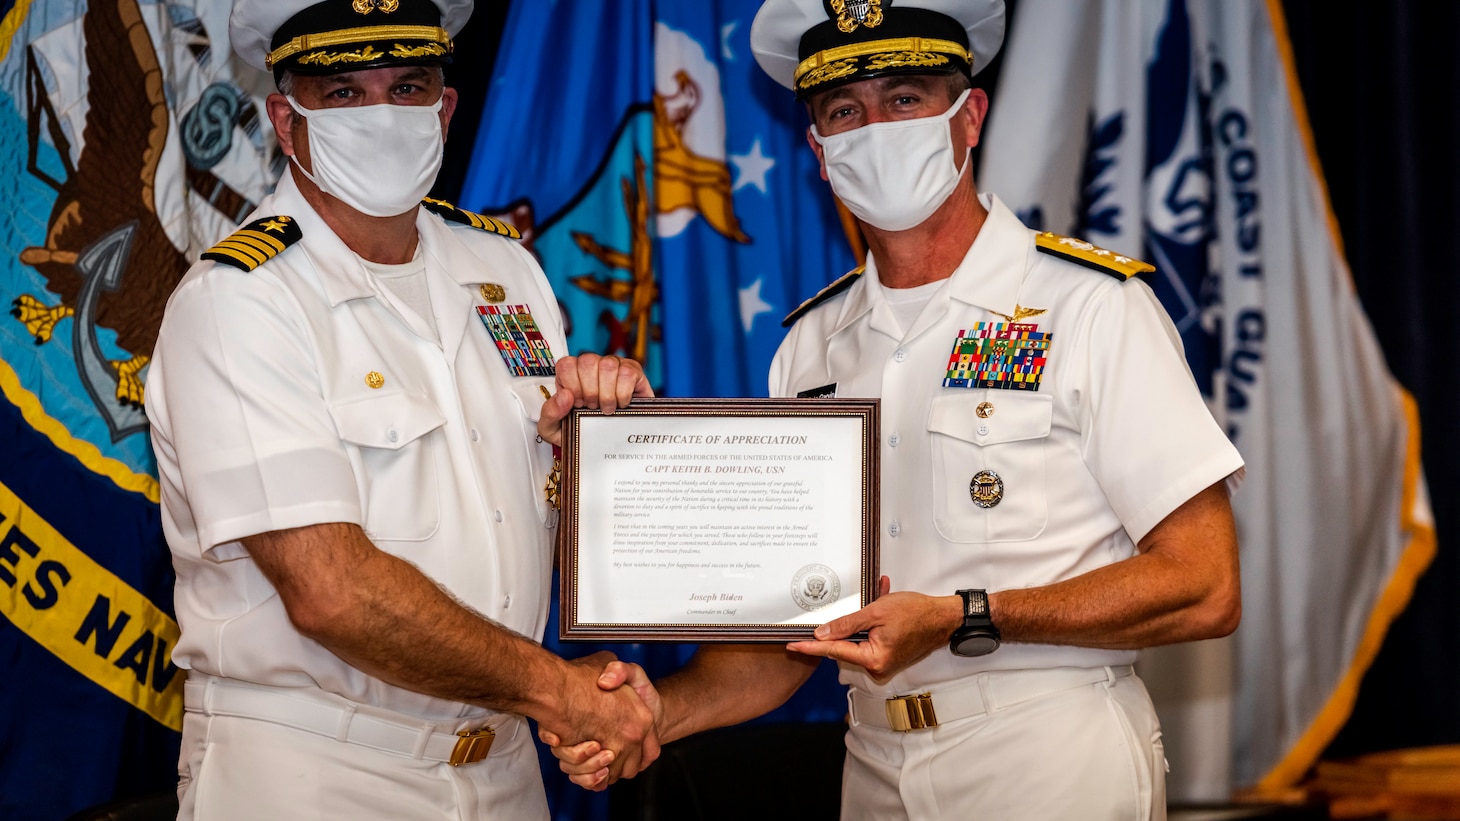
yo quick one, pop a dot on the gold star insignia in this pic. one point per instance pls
(275, 225)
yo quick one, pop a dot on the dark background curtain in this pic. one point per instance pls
(1381, 81)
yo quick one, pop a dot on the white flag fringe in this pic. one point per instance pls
(1174, 131)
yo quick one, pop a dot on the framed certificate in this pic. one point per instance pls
(718, 519)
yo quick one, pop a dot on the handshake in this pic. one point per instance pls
(614, 719)
(619, 727)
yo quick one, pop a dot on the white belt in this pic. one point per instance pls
(332, 716)
(982, 693)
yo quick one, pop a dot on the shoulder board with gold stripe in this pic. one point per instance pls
(1083, 253)
(256, 243)
(451, 213)
(843, 283)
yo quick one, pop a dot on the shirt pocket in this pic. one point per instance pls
(1010, 441)
(539, 454)
(392, 437)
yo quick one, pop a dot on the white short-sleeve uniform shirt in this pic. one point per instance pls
(1115, 437)
(304, 392)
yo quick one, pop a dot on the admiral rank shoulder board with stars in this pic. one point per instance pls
(1011, 355)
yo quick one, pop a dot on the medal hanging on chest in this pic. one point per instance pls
(1003, 355)
(518, 340)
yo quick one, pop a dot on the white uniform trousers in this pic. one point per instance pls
(233, 768)
(1092, 751)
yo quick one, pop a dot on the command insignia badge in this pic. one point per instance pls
(987, 489)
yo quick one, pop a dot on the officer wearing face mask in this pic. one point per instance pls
(346, 401)
(1053, 488)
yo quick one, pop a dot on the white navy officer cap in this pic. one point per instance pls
(813, 45)
(310, 37)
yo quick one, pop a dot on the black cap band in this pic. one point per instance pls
(348, 35)
(889, 41)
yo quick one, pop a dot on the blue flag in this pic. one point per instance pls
(666, 185)
(664, 182)
(128, 146)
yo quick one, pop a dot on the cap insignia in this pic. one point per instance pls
(367, 6)
(853, 13)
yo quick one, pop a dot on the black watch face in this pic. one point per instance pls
(975, 644)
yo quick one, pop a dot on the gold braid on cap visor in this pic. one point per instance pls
(362, 34)
(900, 52)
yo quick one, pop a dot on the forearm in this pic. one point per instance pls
(1183, 586)
(728, 684)
(387, 619)
(1141, 602)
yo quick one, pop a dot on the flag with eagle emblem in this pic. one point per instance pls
(134, 142)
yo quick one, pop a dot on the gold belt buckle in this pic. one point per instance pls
(472, 746)
(906, 713)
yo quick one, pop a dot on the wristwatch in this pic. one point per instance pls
(978, 636)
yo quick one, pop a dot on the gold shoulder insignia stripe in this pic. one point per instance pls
(843, 283)
(1083, 253)
(451, 213)
(256, 243)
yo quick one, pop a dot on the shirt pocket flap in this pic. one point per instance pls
(530, 396)
(1010, 417)
(387, 420)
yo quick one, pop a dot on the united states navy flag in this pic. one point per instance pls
(1174, 130)
(129, 144)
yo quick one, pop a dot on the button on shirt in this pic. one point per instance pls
(1116, 437)
(304, 392)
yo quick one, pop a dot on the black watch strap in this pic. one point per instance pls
(976, 608)
(978, 636)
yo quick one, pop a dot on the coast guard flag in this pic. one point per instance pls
(1174, 131)
(128, 146)
(663, 181)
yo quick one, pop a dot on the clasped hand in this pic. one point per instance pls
(596, 762)
(902, 629)
(588, 380)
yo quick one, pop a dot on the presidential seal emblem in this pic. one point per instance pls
(815, 586)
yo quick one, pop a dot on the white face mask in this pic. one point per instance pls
(378, 159)
(893, 175)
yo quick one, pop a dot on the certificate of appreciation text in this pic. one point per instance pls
(718, 519)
